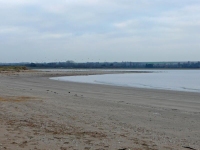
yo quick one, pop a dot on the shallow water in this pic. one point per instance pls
(178, 80)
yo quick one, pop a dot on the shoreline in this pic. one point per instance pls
(99, 81)
(40, 113)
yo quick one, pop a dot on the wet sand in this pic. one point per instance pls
(39, 113)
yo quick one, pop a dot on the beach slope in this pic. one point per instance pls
(39, 113)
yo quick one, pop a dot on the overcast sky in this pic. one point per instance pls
(99, 30)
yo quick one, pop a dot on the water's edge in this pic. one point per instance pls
(167, 80)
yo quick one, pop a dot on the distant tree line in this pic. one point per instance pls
(110, 65)
(71, 64)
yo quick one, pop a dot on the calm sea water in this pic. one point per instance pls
(178, 80)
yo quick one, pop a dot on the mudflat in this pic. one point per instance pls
(39, 113)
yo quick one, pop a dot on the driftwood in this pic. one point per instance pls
(189, 147)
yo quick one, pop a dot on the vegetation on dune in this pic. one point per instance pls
(13, 68)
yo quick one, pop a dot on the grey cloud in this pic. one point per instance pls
(75, 29)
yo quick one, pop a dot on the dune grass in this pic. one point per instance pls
(13, 68)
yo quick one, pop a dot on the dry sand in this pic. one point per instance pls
(39, 113)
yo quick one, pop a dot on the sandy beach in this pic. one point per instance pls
(37, 113)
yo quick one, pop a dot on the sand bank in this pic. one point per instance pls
(38, 113)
